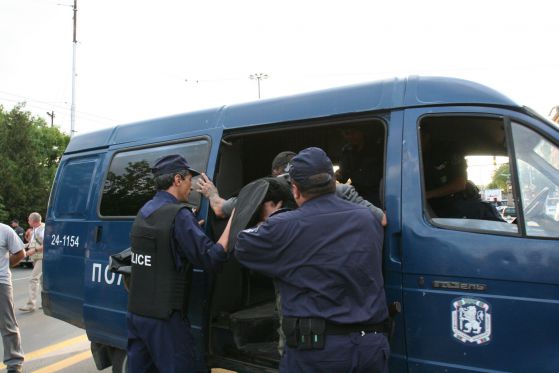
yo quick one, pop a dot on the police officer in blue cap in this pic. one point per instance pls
(166, 241)
(326, 259)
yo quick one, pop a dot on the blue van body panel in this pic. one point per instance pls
(178, 126)
(392, 256)
(421, 91)
(375, 96)
(66, 237)
(98, 139)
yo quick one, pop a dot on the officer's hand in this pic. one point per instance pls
(383, 221)
(205, 186)
(201, 222)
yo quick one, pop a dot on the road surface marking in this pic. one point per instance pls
(65, 363)
(21, 278)
(46, 350)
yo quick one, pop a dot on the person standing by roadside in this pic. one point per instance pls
(35, 252)
(11, 253)
(19, 230)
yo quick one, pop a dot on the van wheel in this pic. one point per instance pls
(120, 361)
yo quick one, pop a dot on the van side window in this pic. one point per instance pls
(466, 175)
(71, 199)
(538, 173)
(129, 182)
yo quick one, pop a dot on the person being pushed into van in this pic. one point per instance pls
(166, 242)
(326, 259)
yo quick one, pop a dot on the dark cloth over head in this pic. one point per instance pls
(251, 197)
(248, 203)
(172, 163)
(311, 168)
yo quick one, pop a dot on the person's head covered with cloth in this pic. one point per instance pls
(257, 201)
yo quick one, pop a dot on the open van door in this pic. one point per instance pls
(481, 293)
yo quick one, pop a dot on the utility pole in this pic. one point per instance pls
(51, 115)
(75, 43)
(258, 77)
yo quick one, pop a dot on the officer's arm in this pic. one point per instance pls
(348, 193)
(194, 245)
(458, 184)
(261, 248)
(224, 239)
(209, 190)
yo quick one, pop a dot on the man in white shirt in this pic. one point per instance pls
(35, 252)
(11, 253)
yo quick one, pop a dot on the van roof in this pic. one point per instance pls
(413, 91)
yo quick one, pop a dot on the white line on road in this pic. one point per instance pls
(21, 278)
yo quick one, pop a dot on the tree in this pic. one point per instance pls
(501, 178)
(30, 151)
(4, 215)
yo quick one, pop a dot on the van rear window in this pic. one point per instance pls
(129, 182)
(71, 199)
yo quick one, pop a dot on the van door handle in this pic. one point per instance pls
(395, 247)
(98, 233)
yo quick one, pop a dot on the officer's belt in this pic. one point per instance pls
(342, 329)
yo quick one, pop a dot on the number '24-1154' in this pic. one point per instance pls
(65, 240)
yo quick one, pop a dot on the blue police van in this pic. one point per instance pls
(476, 294)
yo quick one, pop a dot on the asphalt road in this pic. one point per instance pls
(50, 345)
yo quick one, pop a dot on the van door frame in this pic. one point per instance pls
(514, 282)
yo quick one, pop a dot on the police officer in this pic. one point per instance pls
(166, 241)
(362, 161)
(445, 174)
(326, 259)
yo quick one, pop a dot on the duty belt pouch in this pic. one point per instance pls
(318, 329)
(290, 328)
(305, 341)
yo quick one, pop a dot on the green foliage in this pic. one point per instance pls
(500, 178)
(4, 215)
(30, 151)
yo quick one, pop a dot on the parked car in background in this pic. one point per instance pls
(509, 213)
(551, 206)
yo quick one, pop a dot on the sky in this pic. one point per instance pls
(140, 59)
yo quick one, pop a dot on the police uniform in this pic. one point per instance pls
(165, 240)
(441, 168)
(364, 168)
(326, 259)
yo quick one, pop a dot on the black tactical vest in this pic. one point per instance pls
(156, 287)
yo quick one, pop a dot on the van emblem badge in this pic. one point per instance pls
(471, 320)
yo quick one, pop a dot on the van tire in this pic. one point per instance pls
(120, 361)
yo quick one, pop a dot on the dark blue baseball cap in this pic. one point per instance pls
(173, 163)
(311, 167)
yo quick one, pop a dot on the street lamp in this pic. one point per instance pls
(258, 77)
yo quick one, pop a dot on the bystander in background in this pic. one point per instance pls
(11, 253)
(35, 251)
